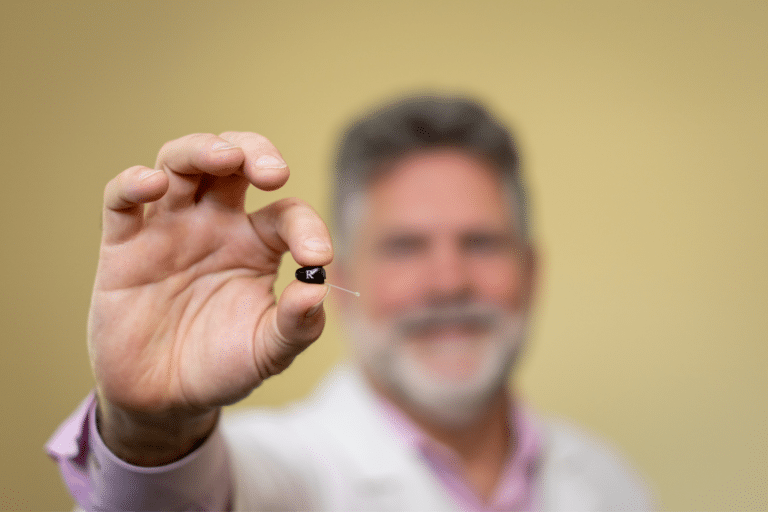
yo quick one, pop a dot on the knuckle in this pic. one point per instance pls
(257, 137)
(133, 171)
(249, 137)
(166, 148)
(295, 207)
(199, 139)
(116, 183)
(229, 135)
(292, 202)
(186, 142)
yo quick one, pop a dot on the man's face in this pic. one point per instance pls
(444, 283)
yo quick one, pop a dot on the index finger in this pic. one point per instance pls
(263, 166)
(200, 153)
(245, 153)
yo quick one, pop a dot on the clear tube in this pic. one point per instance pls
(356, 294)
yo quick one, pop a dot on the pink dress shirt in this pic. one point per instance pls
(514, 490)
(98, 480)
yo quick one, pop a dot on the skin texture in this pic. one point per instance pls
(436, 240)
(183, 317)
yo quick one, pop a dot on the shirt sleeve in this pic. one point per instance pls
(99, 480)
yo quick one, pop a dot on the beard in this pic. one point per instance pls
(447, 363)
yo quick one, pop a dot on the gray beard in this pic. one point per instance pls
(448, 402)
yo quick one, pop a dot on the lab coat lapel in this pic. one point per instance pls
(560, 482)
(390, 475)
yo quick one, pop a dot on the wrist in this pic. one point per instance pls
(144, 439)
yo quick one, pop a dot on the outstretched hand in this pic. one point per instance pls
(183, 316)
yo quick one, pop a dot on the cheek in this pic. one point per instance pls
(500, 281)
(389, 287)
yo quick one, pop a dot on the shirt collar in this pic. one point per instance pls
(514, 489)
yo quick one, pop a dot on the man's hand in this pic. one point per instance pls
(183, 317)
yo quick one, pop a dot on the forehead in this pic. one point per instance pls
(443, 187)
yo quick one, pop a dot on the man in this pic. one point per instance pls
(432, 231)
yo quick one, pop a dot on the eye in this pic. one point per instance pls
(487, 243)
(401, 246)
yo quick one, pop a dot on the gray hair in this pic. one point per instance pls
(418, 123)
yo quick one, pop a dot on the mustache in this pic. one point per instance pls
(471, 316)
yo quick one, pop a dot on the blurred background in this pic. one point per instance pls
(644, 128)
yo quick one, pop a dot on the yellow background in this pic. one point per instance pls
(643, 126)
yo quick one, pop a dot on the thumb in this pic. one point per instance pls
(298, 321)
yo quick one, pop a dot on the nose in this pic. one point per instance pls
(450, 277)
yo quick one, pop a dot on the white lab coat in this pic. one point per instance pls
(336, 452)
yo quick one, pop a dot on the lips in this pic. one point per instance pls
(447, 323)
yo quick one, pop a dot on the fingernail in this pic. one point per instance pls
(222, 146)
(314, 309)
(149, 173)
(270, 162)
(317, 245)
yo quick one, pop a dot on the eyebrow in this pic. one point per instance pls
(407, 236)
(401, 238)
